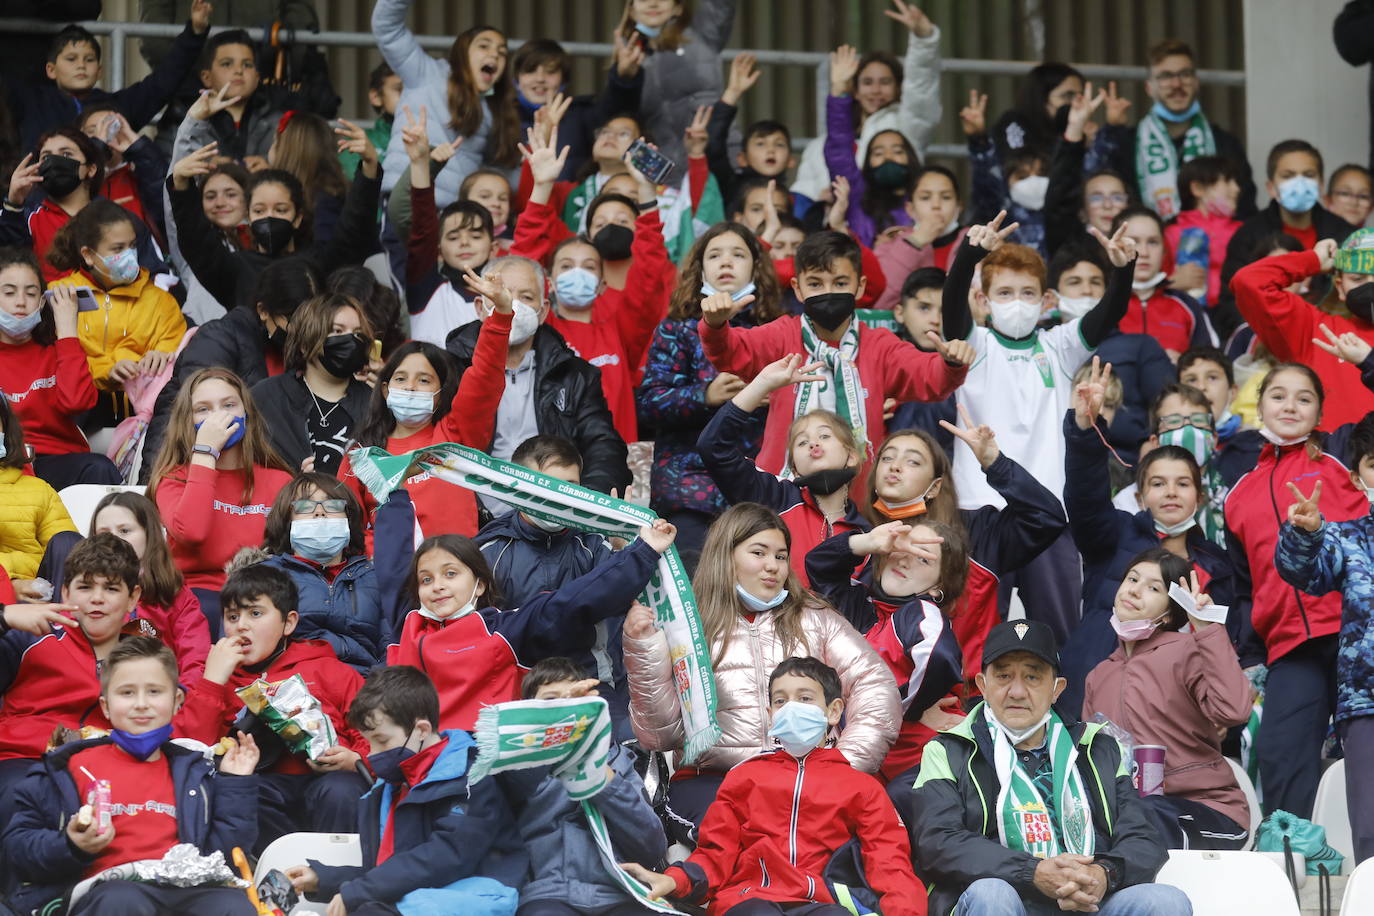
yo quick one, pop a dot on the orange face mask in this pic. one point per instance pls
(905, 510)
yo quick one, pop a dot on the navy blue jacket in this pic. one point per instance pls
(215, 811)
(1108, 539)
(445, 831)
(39, 107)
(1144, 369)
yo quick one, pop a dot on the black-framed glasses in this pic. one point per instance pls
(307, 506)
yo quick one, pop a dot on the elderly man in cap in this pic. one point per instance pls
(1019, 811)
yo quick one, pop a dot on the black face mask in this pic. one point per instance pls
(1360, 301)
(61, 175)
(344, 354)
(272, 234)
(825, 482)
(613, 242)
(829, 310)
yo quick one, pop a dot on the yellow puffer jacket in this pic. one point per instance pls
(30, 514)
(131, 321)
(872, 708)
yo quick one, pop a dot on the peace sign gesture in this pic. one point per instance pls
(1305, 513)
(980, 439)
(1090, 394)
(974, 115)
(992, 235)
(1120, 249)
(1201, 600)
(1349, 347)
(1080, 110)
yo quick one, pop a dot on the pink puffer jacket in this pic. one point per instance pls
(872, 709)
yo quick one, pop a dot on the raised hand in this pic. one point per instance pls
(1305, 513)
(200, 16)
(719, 308)
(1117, 106)
(659, 535)
(1201, 599)
(415, 135)
(548, 116)
(1080, 110)
(211, 103)
(1350, 347)
(837, 217)
(647, 191)
(790, 370)
(639, 622)
(980, 439)
(772, 224)
(991, 236)
(1325, 250)
(194, 164)
(38, 619)
(445, 151)
(23, 180)
(353, 139)
(910, 15)
(954, 352)
(629, 56)
(1120, 248)
(844, 64)
(1090, 394)
(492, 289)
(743, 76)
(242, 758)
(882, 539)
(545, 160)
(695, 136)
(974, 115)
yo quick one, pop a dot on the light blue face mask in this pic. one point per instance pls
(121, 268)
(410, 407)
(576, 287)
(1298, 194)
(319, 539)
(1176, 117)
(709, 290)
(799, 727)
(14, 326)
(758, 604)
(648, 31)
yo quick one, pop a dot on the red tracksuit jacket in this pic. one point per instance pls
(777, 821)
(47, 387)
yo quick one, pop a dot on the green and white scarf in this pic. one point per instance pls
(573, 736)
(1023, 818)
(1157, 162)
(842, 392)
(669, 593)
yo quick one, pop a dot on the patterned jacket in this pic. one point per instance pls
(1339, 556)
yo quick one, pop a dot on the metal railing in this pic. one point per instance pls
(120, 32)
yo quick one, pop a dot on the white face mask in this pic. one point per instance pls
(1171, 530)
(1071, 307)
(461, 612)
(1013, 735)
(1368, 491)
(523, 324)
(1015, 319)
(1030, 192)
(1146, 286)
(1275, 438)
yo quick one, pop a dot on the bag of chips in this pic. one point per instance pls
(289, 709)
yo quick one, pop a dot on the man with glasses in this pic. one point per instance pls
(1176, 130)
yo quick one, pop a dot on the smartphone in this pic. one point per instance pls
(85, 299)
(651, 163)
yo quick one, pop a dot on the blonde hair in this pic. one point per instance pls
(714, 582)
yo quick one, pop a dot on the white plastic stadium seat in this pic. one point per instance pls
(1226, 883)
(82, 498)
(1251, 798)
(1330, 811)
(295, 848)
(1359, 891)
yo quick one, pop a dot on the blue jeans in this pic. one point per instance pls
(995, 897)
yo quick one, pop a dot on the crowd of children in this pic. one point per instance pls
(963, 475)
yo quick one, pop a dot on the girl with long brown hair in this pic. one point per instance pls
(307, 148)
(755, 613)
(681, 389)
(214, 480)
(165, 603)
(472, 87)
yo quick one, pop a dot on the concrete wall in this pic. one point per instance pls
(1298, 86)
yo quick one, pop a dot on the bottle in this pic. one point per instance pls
(1194, 248)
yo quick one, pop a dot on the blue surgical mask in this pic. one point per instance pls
(410, 407)
(799, 727)
(1298, 194)
(320, 539)
(650, 31)
(1176, 117)
(143, 744)
(121, 268)
(709, 290)
(14, 326)
(386, 765)
(576, 287)
(758, 604)
(234, 438)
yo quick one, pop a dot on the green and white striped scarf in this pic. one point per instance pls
(573, 737)
(669, 593)
(1023, 819)
(1157, 162)
(843, 387)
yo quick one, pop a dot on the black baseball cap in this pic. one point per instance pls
(1021, 636)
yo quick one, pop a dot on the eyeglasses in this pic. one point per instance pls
(1175, 76)
(1098, 200)
(614, 134)
(1352, 196)
(307, 506)
(1175, 420)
